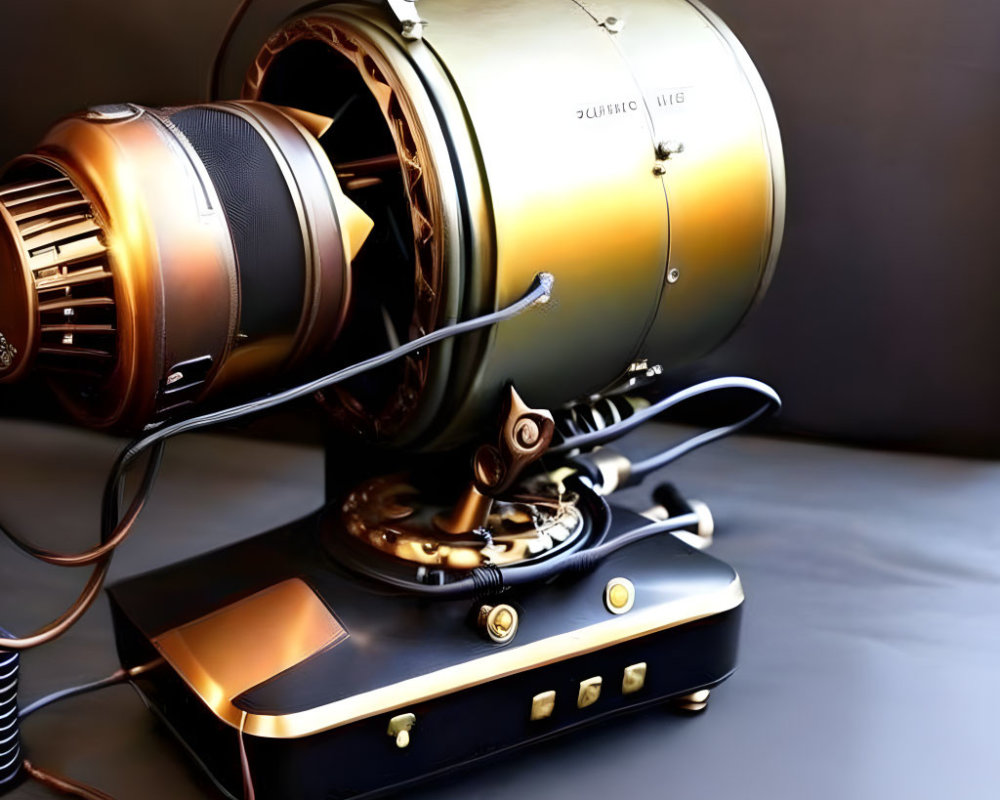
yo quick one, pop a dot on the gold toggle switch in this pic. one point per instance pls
(400, 727)
(590, 690)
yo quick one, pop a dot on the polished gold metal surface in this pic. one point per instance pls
(590, 692)
(504, 661)
(542, 705)
(471, 512)
(237, 647)
(638, 162)
(634, 678)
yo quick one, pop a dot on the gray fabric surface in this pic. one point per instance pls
(871, 642)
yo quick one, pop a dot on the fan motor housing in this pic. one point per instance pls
(155, 259)
(636, 158)
(151, 258)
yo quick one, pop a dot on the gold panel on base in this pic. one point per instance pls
(237, 647)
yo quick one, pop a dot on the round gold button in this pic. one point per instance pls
(619, 595)
(499, 622)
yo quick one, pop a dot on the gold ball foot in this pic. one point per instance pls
(692, 703)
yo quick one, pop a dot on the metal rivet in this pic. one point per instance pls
(619, 595)
(613, 24)
(499, 622)
(673, 275)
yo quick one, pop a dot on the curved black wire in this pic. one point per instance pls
(72, 691)
(618, 429)
(115, 529)
(641, 469)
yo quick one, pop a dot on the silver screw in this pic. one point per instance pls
(673, 275)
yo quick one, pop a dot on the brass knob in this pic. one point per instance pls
(499, 623)
(619, 595)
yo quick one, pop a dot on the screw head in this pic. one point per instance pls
(499, 622)
(673, 275)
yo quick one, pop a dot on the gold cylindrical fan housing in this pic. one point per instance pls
(630, 149)
(151, 258)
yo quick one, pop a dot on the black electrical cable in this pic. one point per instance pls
(574, 564)
(114, 530)
(539, 293)
(618, 429)
(598, 515)
(117, 677)
(641, 469)
(596, 549)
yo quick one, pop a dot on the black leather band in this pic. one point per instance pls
(265, 227)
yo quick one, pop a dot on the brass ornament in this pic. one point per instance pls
(499, 622)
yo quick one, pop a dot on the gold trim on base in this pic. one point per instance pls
(500, 664)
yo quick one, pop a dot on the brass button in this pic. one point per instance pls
(590, 690)
(619, 595)
(542, 705)
(499, 622)
(634, 678)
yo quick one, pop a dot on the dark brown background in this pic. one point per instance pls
(883, 321)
